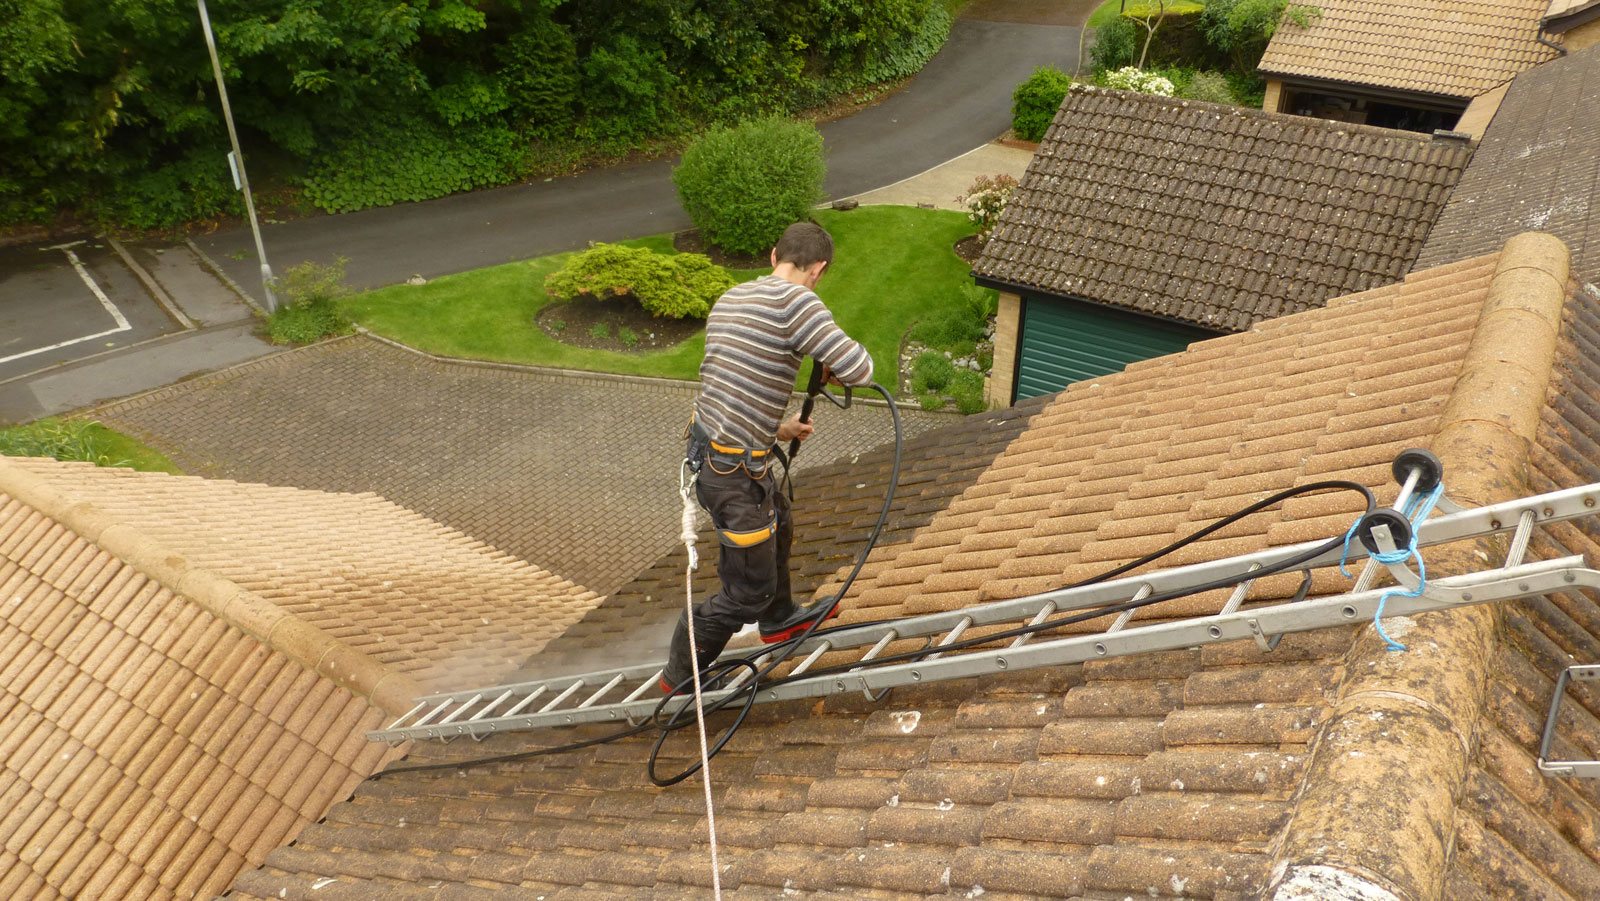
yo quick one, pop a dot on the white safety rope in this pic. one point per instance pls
(688, 538)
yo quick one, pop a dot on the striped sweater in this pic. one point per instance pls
(756, 336)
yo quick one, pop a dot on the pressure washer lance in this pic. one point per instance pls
(815, 385)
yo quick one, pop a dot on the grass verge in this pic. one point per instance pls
(892, 266)
(81, 440)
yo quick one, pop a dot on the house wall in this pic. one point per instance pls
(1273, 102)
(1482, 109)
(1003, 374)
(1584, 36)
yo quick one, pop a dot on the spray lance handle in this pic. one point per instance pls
(815, 385)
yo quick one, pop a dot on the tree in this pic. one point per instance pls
(1150, 14)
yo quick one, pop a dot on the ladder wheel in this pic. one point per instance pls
(1399, 527)
(1431, 471)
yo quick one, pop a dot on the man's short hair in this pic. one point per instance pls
(804, 243)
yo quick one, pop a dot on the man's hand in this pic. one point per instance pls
(793, 429)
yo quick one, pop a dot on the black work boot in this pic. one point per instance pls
(677, 673)
(795, 621)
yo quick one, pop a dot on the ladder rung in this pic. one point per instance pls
(951, 636)
(432, 713)
(1520, 538)
(1043, 614)
(1240, 593)
(525, 702)
(745, 674)
(810, 659)
(1144, 591)
(883, 642)
(490, 706)
(562, 697)
(408, 714)
(465, 705)
(1369, 574)
(643, 687)
(603, 689)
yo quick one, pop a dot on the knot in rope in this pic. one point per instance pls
(1417, 509)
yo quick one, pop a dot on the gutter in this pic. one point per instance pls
(1019, 289)
(1560, 50)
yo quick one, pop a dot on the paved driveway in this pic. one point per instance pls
(576, 473)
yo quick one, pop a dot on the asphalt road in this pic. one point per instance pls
(960, 100)
(52, 312)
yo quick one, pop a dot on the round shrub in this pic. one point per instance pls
(1212, 87)
(742, 186)
(673, 286)
(1035, 101)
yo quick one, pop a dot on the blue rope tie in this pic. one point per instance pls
(1417, 509)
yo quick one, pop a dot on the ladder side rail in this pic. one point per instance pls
(1543, 577)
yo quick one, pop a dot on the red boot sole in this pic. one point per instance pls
(796, 629)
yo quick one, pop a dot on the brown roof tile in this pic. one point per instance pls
(1452, 48)
(1091, 218)
(152, 747)
(1172, 773)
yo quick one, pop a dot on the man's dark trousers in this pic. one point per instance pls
(755, 579)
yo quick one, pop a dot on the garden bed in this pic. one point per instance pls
(615, 323)
(690, 241)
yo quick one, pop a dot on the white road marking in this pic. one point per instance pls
(116, 314)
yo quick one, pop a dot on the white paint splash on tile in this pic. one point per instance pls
(907, 720)
(946, 804)
(322, 883)
(1310, 883)
(894, 801)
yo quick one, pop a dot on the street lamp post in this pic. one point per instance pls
(238, 155)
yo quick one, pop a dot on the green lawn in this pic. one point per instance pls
(891, 266)
(76, 439)
(1110, 9)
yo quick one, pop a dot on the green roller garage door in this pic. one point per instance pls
(1068, 341)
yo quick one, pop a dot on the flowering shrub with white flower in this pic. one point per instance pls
(1133, 78)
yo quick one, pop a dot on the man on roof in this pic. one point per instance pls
(756, 337)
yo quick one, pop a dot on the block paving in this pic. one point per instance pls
(575, 472)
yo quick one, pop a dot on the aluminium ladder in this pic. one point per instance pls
(630, 693)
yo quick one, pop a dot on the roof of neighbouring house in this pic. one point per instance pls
(1448, 48)
(190, 666)
(1562, 9)
(1194, 773)
(1216, 215)
(1538, 167)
